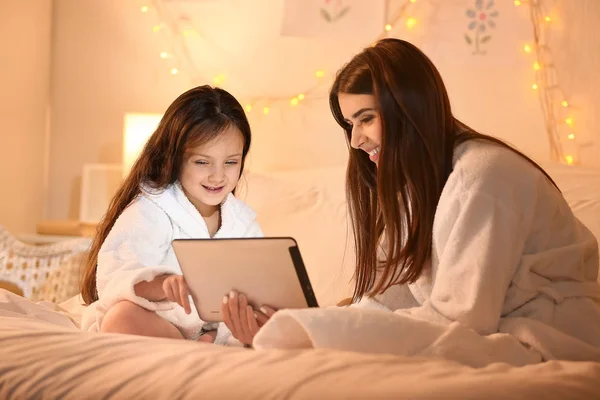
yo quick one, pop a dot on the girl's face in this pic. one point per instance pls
(360, 111)
(211, 171)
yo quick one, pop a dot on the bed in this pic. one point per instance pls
(44, 355)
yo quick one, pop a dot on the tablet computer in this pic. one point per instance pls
(269, 271)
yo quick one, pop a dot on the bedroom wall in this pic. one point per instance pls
(25, 83)
(105, 63)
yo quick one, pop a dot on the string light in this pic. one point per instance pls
(534, 86)
(388, 27)
(564, 103)
(320, 73)
(527, 48)
(571, 136)
(410, 23)
(536, 66)
(248, 107)
(156, 28)
(217, 80)
(301, 96)
(145, 9)
(164, 55)
(266, 110)
(294, 101)
(547, 19)
(174, 71)
(569, 159)
(413, 1)
(569, 121)
(517, 3)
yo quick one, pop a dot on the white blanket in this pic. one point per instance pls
(44, 356)
(138, 248)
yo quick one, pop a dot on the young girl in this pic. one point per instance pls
(452, 229)
(181, 186)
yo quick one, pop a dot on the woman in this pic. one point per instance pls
(452, 227)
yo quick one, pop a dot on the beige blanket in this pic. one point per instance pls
(43, 355)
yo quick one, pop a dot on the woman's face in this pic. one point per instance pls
(360, 111)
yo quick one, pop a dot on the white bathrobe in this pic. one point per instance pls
(138, 248)
(512, 278)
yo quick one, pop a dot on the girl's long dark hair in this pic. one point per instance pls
(194, 118)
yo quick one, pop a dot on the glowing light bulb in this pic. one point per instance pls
(413, 1)
(174, 71)
(266, 110)
(534, 86)
(388, 27)
(294, 101)
(517, 3)
(320, 73)
(571, 136)
(248, 107)
(547, 19)
(217, 80)
(301, 96)
(569, 121)
(536, 66)
(411, 22)
(145, 9)
(564, 103)
(527, 48)
(164, 55)
(156, 28)
(569, 159)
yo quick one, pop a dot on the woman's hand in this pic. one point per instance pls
(176, 289)
(241, 319)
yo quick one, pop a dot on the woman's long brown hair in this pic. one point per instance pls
(399, 198)
(194, 118)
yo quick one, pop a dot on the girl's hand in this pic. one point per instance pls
(243, 321)
(176, 289)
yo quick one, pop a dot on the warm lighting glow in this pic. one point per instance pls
(217, 80)
(138, 128)
(527, 48)
(534, 86)
(388, 27)
(156, 28)
(569, 121)
(536, 66)
(413, 1)
(188, 32)
(174, 71)
(145, 9)
(301, 96)
(266, 110)
(248, 107)
(320, 73)
(564, 103)
(164, 54)
(517, 3)
(569, 159)
(411, 22)
(571, 136)
(294, 101)
(547, 19)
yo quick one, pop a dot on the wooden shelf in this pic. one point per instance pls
(66, 228)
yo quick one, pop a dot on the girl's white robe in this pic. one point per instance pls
(138, 248)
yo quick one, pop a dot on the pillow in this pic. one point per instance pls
(310, 206)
